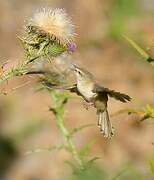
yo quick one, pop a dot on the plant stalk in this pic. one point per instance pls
(59, 112)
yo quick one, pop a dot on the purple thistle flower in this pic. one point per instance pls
(72, 47)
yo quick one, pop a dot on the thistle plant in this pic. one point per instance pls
(47, 36)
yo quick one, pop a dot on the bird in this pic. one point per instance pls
(93, 93)
(97, 95)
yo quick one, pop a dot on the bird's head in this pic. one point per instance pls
(82, 74)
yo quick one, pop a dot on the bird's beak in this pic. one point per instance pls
(73, 67)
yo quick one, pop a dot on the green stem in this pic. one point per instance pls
(59, 112)
(20, 70)
(70, 144)
(140, 50)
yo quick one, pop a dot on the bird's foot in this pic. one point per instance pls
(87, 105)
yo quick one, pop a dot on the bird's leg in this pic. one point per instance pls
(87, 105)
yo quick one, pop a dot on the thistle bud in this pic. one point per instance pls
(72, 47)
(48, 33)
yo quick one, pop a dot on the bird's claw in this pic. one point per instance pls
(87, 105)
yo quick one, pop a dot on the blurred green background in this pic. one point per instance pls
(26, 123)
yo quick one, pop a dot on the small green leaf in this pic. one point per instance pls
(76, 130)
(91, 161)
(49, 149)
(87, 148)
(55, 50)
(149, 111)
(91, 173)
(72, 165)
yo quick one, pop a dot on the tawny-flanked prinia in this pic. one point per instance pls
(97, 95)
(93, 93)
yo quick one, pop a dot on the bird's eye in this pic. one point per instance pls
(78, 71)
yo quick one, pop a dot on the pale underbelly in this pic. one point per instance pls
(87, 94)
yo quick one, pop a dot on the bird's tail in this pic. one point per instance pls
(105, 124)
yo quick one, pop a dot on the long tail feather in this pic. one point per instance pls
(105, 124)
(119, 96)
(99, 119)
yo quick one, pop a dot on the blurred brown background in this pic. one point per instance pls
(24, 115)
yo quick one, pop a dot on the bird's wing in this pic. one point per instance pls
(72, 89)
(114, 94)
(35, 72)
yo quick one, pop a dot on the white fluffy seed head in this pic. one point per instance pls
(54, 22)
